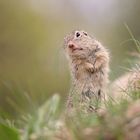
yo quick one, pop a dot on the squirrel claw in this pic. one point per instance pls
(89, 67)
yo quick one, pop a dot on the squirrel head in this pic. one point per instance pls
(79, 45)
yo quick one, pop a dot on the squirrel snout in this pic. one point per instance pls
(71, 45)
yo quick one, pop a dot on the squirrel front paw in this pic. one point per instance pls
(89, 67)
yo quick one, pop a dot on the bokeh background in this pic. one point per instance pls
(32, 62)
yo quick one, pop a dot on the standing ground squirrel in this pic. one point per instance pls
(89, 64)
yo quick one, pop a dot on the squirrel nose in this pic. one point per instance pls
(71, 45)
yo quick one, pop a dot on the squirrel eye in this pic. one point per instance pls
(77, 34)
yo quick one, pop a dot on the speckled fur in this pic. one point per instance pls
(89, 68)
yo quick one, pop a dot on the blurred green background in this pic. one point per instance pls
(32, 62)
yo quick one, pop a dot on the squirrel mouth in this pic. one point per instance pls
(73, 47)
(76, 49)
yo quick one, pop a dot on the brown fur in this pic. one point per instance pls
(125, 85)
(89, 64)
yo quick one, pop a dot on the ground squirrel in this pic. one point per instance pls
(89, 64)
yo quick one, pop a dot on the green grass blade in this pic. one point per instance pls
(8, 133)
(136, 42)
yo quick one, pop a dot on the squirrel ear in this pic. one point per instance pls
(85, 33)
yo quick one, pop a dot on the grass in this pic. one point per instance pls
(48, 123)
(7, 132)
